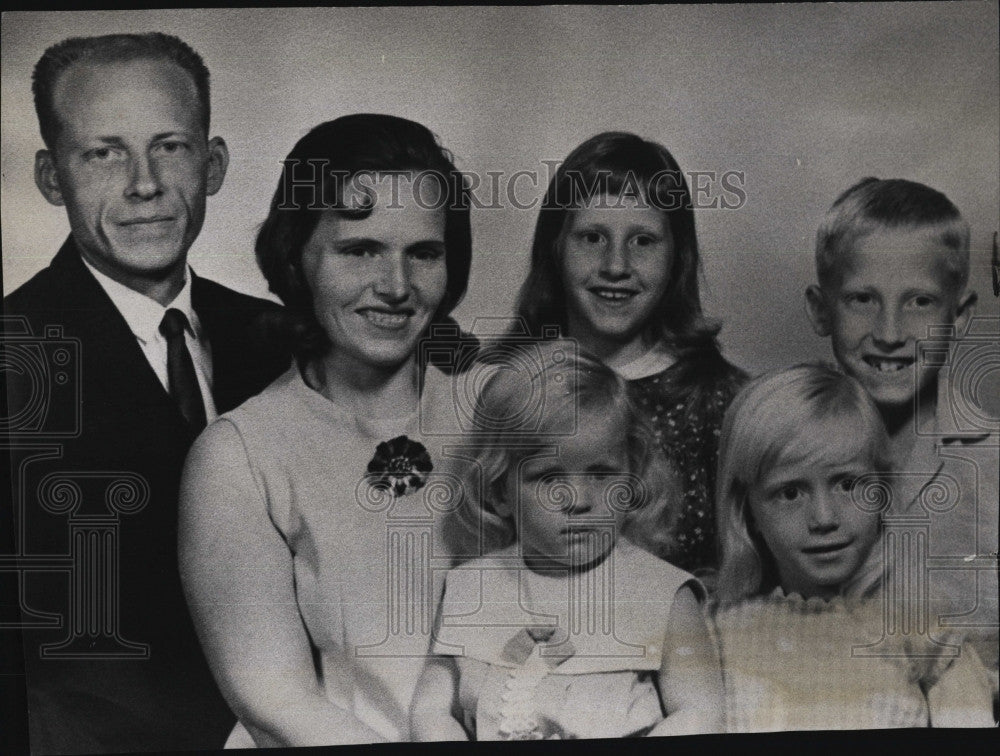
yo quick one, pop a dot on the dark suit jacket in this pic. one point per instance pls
(136, 680)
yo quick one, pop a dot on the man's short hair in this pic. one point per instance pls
(877, 204)
(112, 48)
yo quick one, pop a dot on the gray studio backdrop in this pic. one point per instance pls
(800, 100)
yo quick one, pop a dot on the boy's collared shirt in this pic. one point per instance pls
(949, 488)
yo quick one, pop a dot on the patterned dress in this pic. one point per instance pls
(684, 405)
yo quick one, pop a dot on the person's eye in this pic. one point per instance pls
(357, 250)
(922, 301)
(788, 493)
(171, 147)
(644, 240)
(590, 237)
(426, 253)
(102, 154)
(859, 299)
(846, 485)
(539, 478)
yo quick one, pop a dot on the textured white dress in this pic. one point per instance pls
(572, 656)
(796, 664)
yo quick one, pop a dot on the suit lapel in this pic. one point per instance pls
(111, 353)
(245, 355)
(224, 324)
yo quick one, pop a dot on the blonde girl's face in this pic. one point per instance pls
(561, 501)
(805, 511)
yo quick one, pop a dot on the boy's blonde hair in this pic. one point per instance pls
(572, 387)
(874, 204)
(774, 417)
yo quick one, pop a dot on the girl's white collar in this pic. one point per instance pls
(655, 360)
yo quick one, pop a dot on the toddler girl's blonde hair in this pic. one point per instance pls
(543, 391)
(776, 417)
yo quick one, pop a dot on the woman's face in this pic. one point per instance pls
(616, 258)
(377, 281)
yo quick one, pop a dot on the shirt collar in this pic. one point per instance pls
(143, 314)
(655, 360)
(942, 428)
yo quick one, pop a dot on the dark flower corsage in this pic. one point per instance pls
(400, 466)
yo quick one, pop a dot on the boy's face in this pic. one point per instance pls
(892, 287)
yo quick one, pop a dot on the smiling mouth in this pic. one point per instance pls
(391, 320)
(887, 364)
(145, 221)
(608, 294)
(831, 548)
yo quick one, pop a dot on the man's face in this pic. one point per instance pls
(132, 166)
(893, 288)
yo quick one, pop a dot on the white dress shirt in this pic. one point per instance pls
(144, 315)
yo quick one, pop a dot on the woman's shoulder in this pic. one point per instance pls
(273, 401)
(274, 419)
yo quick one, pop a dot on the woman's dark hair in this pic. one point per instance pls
(619, 164)
(316, 175)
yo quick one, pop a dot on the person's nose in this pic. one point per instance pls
(824, 515)
(587, 499)
(615, 263)
(888, 331)
(144, 179)
(393, 281)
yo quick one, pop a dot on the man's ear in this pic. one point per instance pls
(218, 161)
(818, 311)
(963, 313)
(46, 178)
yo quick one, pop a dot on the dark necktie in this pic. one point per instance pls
(180, 370)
